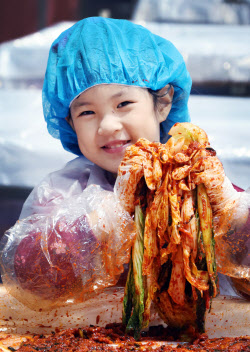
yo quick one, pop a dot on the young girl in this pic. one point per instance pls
(108, 83)
(97, 59)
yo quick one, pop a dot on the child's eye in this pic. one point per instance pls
(124, 103)
(88, 112)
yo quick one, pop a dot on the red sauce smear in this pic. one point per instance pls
(96, 338)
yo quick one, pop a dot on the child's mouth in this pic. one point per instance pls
(116, 146)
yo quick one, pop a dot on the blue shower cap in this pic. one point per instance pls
(100, 50)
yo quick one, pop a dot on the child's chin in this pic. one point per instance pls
(111, 166)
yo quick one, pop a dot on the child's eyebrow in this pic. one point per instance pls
(80, 103)
(119, 94)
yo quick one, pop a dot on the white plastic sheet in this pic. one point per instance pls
(28, 152)
(194, 11)
(213, 53)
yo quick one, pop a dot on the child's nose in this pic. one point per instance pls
(109, 124)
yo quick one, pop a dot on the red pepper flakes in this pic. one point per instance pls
(95, 338)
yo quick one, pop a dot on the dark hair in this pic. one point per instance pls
(69, 115)
(159, 93)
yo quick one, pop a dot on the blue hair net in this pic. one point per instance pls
(100, 50)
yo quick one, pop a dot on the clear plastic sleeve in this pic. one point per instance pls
(232, 238)
(70, 255)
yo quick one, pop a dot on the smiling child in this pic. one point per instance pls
(108, 83)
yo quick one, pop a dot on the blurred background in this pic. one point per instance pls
(212, 35)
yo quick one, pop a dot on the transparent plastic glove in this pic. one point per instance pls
(232, 220)
(230, 208)
(230, 217)
(70, 255)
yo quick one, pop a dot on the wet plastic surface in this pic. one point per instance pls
(229, 316)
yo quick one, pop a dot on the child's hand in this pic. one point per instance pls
(230, 218)
(139, 161)
(209, 171)
(230, 207)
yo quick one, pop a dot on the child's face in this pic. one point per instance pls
(108, 118)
